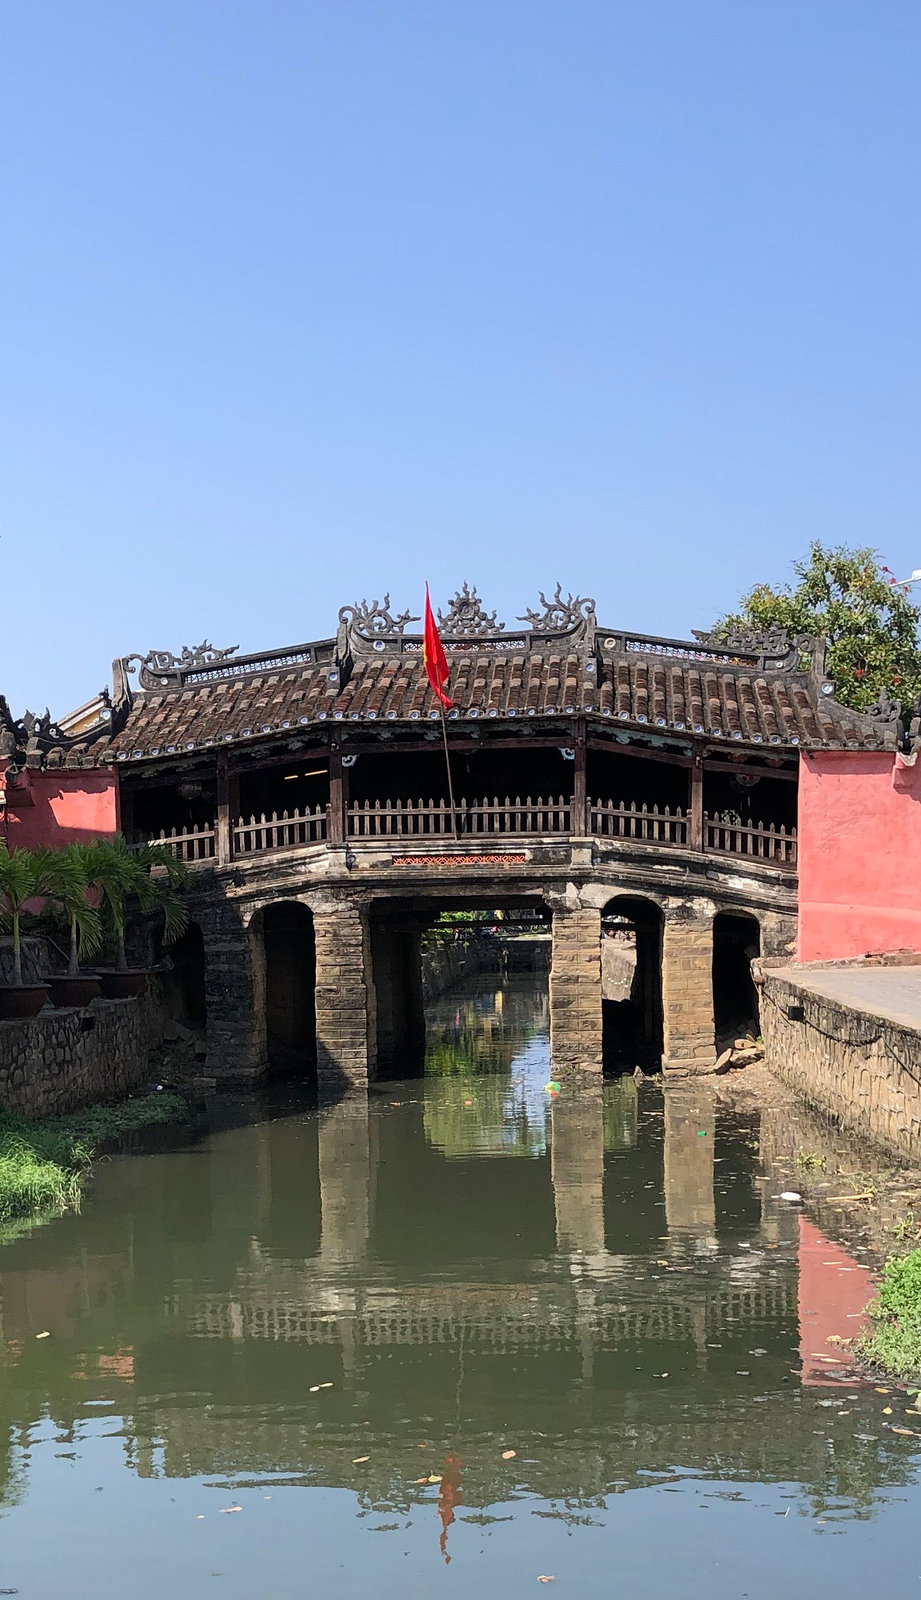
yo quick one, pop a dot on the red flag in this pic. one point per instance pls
(433, 655)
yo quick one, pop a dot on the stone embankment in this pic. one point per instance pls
(848, 1038)
(63, 1060)
(447, 963)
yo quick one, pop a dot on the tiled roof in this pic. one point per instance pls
(636, 687)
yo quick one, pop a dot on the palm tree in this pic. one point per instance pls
(17, 885)
(120, 872)
(168, 878)
(64, 879)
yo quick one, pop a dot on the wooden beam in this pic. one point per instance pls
(785, 774)
(456, 745)
(609, 747)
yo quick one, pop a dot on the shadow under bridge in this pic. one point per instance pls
(422, 946)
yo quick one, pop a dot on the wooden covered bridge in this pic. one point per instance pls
(599, 777)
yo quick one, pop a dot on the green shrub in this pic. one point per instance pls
(895, 1340)
(43, 1164)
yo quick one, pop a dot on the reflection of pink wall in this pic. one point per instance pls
(65, 808)
(833, 1290)
(859, 845)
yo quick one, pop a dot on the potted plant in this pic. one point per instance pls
(19, 882)
(64, 879)
(121, 873)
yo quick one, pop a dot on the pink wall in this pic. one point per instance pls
(859, 849)
(66, 808)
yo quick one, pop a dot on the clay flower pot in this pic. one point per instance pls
(73, 991)
(21, 1000)
(122, 985)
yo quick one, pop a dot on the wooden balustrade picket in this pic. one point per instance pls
(433, 819)
(195, 844)
(475, 818)
(773, 844)
(399, 819)
(279, 832)
(647, 824)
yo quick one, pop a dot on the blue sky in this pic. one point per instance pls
(306, 301)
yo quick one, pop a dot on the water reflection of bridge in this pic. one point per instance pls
(502, 1317)
(209, 1291)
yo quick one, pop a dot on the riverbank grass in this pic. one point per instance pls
(894, 1343)
(44, 1163)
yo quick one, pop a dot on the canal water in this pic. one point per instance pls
(466, 1339)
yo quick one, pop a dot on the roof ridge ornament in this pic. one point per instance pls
(777, 649)
(465, 617)
(559, 615)
(373, 619)
(157, 665)
(748, 641)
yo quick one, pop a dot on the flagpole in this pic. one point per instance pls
(444, 735)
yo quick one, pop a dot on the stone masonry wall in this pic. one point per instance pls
(575, 991)
(345, 1000)
(687, 987)
(863, 1070)
(62, 1060)
(34, 957)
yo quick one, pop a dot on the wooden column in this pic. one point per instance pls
(223, 837)
(696, 807)
(579, 793)
(124, 814)
(337, 795)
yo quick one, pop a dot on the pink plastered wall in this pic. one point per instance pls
(859, 854)
(56, 808)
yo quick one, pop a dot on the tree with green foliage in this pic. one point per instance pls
(867, 618)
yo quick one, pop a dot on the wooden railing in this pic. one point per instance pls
(775, 845)
(403, 819)
(489, 819)
(279, 832)
(197, 844)
(645, 823)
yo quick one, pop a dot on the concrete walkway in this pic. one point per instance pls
(890, 992)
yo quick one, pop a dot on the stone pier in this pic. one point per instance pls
(575, 991)
(345, 999)
(687, 986)
(235, 1000)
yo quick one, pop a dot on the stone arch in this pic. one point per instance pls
(284, 965)
(736, 943)
(631, 982)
